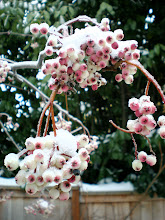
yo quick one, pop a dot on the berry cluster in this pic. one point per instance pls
(143, 109)
(143, 157)
(56, 160)
(161, 123)
(41, 206)
(128, 71)
(86, 52)
(4, 69)
(62, 123)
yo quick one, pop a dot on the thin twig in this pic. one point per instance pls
(134, 142)
(149, 143)
(15, 33)
(121, 129)
(53, 121)
(47, 124)
(147, 88)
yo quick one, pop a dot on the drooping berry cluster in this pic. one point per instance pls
(57, 160)
(86, 52)
(161, 123)
(143, 157)
(143, 109)
(41, 206)
(4, 69)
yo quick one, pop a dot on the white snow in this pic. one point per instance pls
(84, 187)
(107, 187)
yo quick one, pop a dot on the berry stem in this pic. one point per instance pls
(50, 103)
(134, 142)
(47, 124)
(148, 75)
(41, 119)
(149, 143)
(52, 117)
(121, 129)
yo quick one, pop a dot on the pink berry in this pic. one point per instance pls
(118, 77)
(151, 160)
(115, 45)
(143, 120)
(44, 28)
(34, 28)
(49, 51)
(94, 87)
(64, 196)
(142, 156)
(162, 132)
(138, 128)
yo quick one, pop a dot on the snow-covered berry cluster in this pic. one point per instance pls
(143, 157)
(83, 54)
(143, 109)
(161, 123)
(58, 160)
(4, 69)
(41, 206)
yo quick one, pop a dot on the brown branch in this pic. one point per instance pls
(121, 129)
(148, 75)
(147, 88)
(149, 143)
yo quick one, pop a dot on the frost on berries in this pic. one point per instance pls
(52, 159)
(84, 53)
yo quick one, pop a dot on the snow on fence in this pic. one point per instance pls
(111, 201)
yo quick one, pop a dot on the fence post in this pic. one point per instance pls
(75, 203)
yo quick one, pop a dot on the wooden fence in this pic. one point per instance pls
(86, 206)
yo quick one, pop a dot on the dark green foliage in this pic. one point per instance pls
(116, 151)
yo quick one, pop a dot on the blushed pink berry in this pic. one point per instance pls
(151, 160)
(115, 45)
(118, 77)
(162, 132)
(142, 156)
(44, 28)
